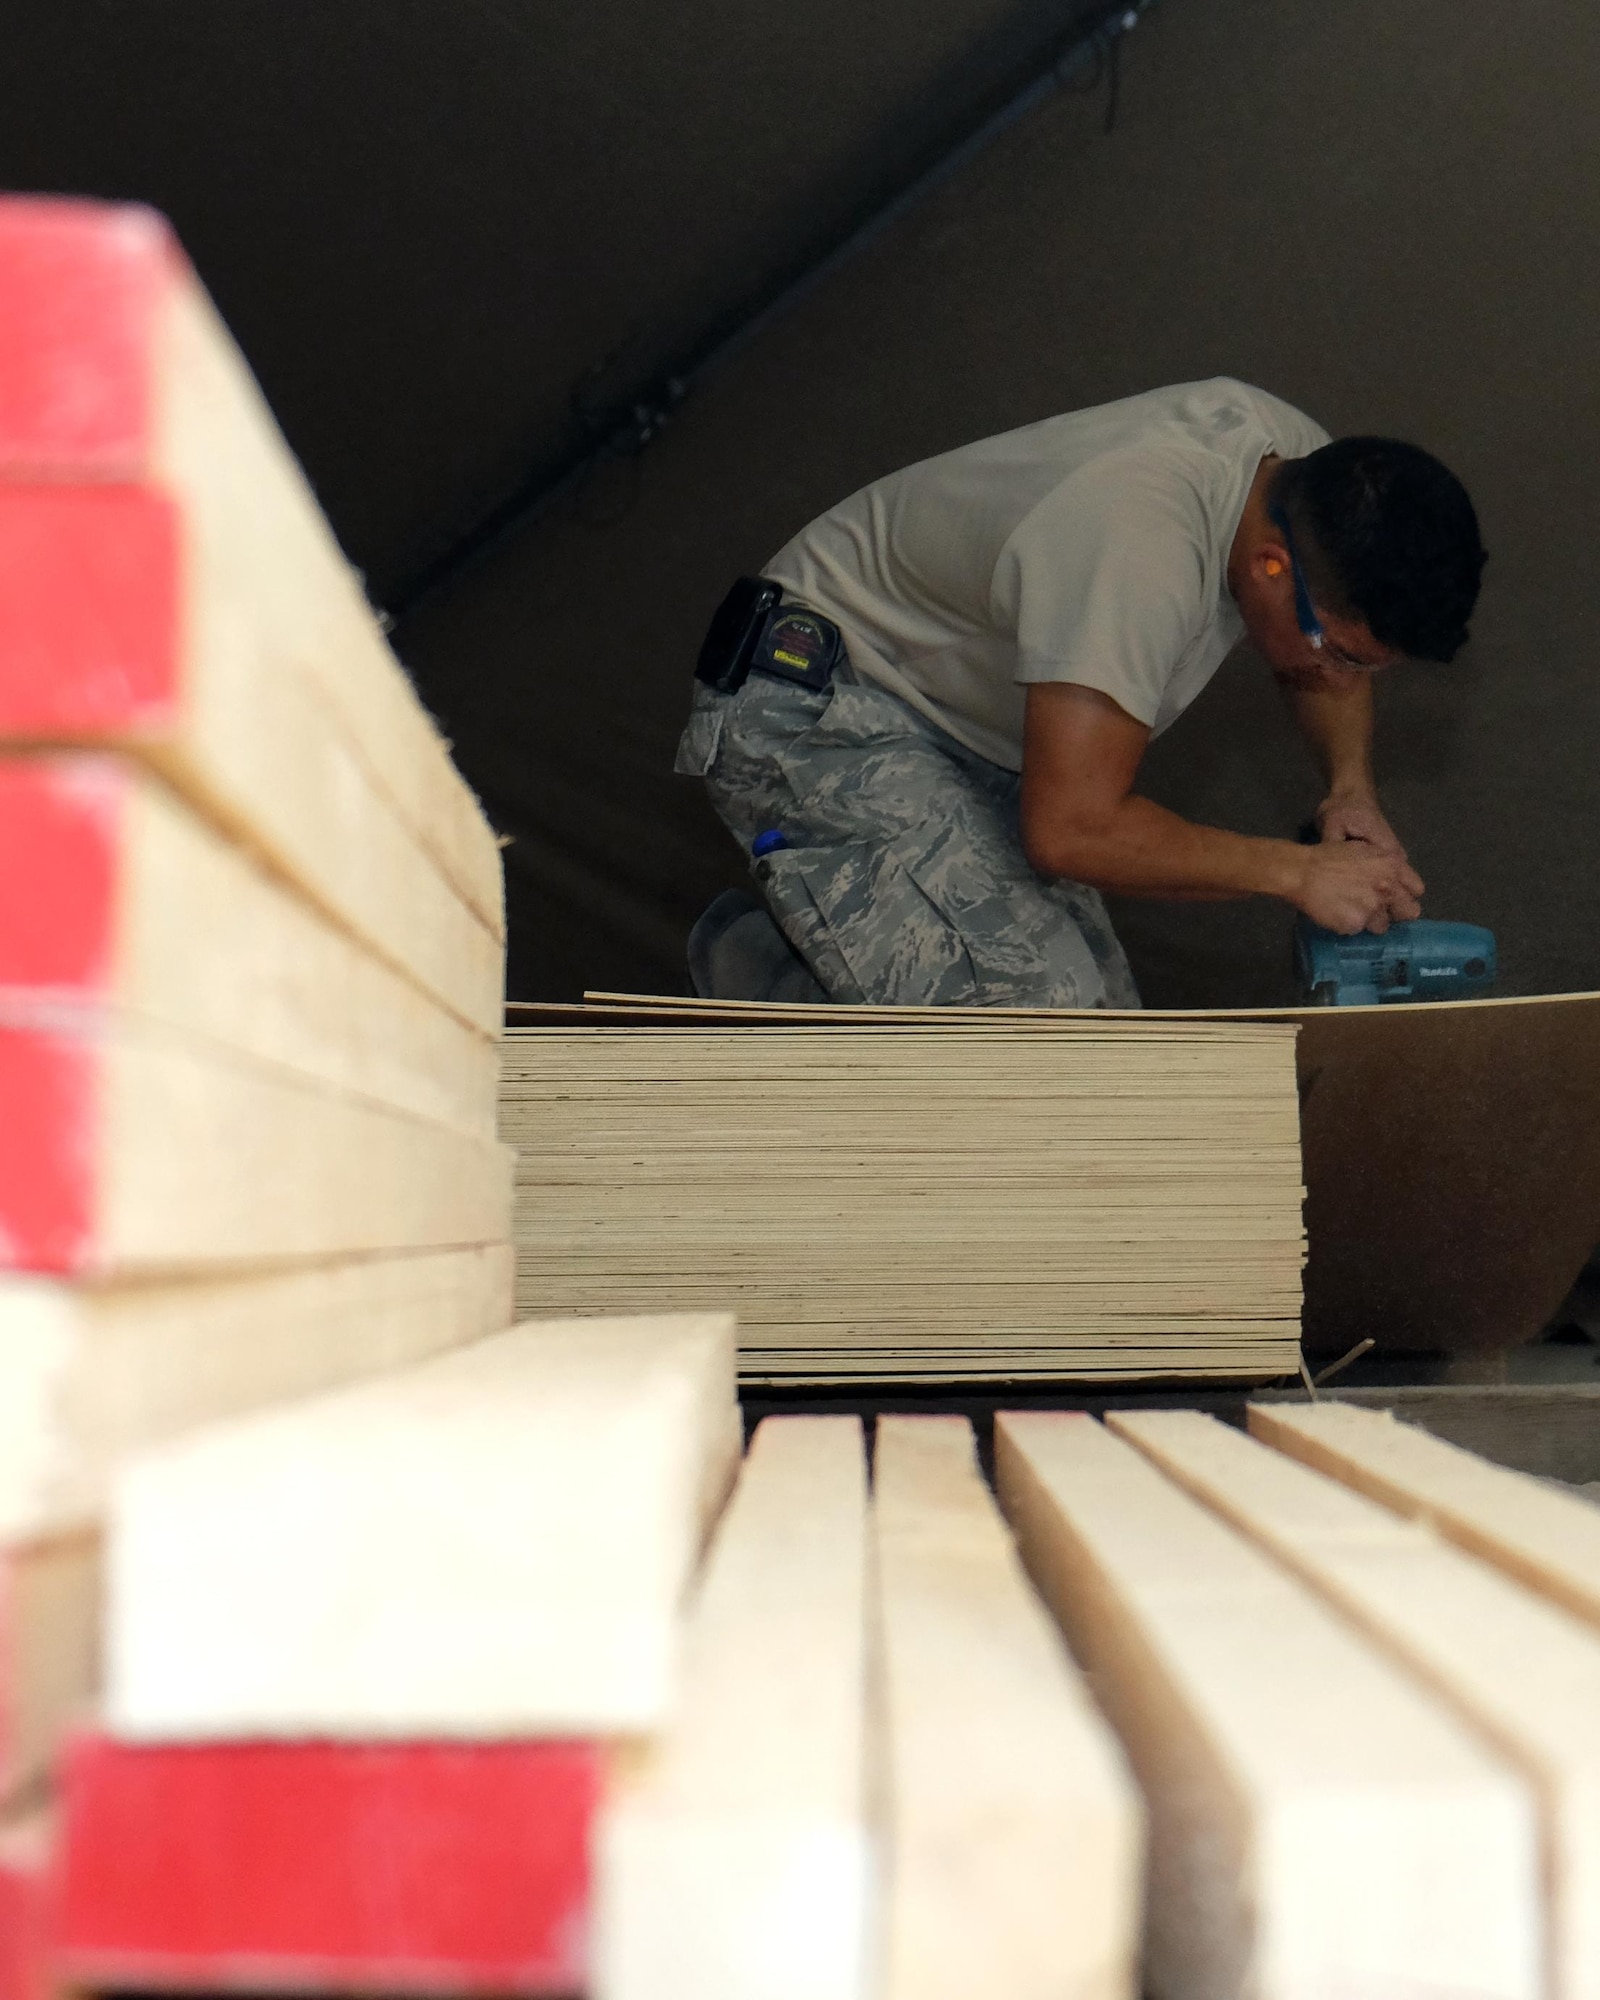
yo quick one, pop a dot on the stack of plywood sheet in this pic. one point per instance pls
(250, 933)
(1432, 1240)
(1103, 1197)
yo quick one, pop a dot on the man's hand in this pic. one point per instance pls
(1357, 816)
(1351, 885)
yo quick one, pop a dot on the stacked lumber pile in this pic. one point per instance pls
(460, 1619)
(423, 1685)
(370, 1656)
(1095, 1197)
(251, 939)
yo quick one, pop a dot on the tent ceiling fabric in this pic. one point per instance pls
(430, 221)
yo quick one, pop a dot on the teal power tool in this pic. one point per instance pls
(1423, 960)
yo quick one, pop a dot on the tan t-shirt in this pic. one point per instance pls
(1090, 548)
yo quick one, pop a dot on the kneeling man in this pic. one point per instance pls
(938, 785)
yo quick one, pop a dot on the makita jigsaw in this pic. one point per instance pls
(1422, 960)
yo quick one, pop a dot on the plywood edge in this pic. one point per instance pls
(770, 1010)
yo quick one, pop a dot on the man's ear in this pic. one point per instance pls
(1269, 562)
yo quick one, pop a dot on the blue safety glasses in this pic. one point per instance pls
(1305, 614)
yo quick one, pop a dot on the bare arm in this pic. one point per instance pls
(1082, 819)
(1338, 727)
(1337, 724)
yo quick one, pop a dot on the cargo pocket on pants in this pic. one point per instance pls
(701, 739)
(857, 915)
(890, 924)
(786, 883)
(1022, 945)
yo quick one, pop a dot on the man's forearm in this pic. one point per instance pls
(1338, 728)
(1141, 849)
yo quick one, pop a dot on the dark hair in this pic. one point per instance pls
(1392, 537)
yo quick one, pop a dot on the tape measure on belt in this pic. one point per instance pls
(755, 631)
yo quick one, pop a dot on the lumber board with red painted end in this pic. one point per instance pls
(398, 1868)
(26, 1884)
(735, 1858)
(199, 615)
(90, 1375)
(135, 1149)
(110, 637)
(1013, 1827)
(493, 1544)
(116, 897)
(115, 370)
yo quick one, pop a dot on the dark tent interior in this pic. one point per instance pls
(459, 240)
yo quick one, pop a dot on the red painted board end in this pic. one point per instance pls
(81, 285)
(420, 1868)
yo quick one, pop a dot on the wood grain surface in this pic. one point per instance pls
(1452, 1153)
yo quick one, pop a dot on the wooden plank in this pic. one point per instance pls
(734, 1860)
(91, 1374)
(1547, 1539)
(196, 611)
(114, 896)
(97, 585)
(139, 1150)
(492, 1544)
(26, 1845)
(115, 369)
(1280, 1755)
(1523, 1672)
(50, 1589)
(1548, 1428)
(326, 1867)
(600, 1001)
(1013, 1829)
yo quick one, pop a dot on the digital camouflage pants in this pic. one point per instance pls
(902, 880)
